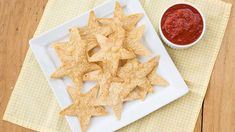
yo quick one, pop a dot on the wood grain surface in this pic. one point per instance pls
(18, 22)
(19, 19)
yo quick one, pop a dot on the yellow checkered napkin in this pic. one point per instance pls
(34, 106)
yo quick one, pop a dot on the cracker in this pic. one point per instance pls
(119, 18)
(78, 65)
(88, 32)
(83, 108)
(141, 91)
(104, 79)
(134, 74)
(111, 52)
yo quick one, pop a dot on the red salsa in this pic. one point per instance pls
(182, 24)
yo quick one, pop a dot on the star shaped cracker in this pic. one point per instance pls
(82, 107)
(66, 50)
(115, 97)
(133, 42)
(111, 52)
(140, 92)
(134, 74)
(119, 18)
(74, 63)
(104, 79)
(88, 32)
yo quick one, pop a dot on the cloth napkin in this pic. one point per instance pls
(33, 105)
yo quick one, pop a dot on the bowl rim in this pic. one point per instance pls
(178, 45)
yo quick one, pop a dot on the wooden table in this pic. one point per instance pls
(19, 19)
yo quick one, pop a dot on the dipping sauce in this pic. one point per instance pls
(182, 24)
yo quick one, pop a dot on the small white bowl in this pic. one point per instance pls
(178, 46)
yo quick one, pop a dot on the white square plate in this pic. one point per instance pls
(132, 111)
